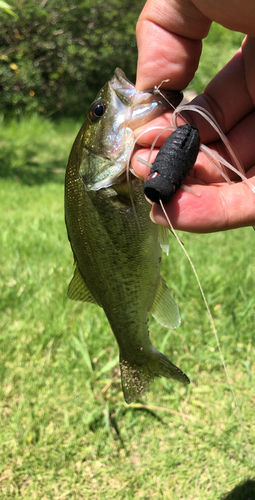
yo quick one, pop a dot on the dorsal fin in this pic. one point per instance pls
(164, 308)
(78, 289)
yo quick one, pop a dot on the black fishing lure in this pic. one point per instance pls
(173, 163)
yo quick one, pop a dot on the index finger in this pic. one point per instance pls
(169, 35)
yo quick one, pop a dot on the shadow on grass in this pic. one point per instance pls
(33, 173)
(35, 151)
(243, 491)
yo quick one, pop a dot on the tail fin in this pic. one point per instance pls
(136, 378)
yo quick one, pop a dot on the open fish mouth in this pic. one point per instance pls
(143, 105)
(117, 111)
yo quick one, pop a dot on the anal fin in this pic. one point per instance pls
(164, 308)
(164, 239)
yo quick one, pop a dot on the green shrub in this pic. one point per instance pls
(56, 55)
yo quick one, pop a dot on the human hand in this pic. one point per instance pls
(169, 42)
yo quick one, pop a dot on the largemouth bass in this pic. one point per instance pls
(116, 246)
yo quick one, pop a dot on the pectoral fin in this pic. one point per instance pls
(164, 308)
(78, 289)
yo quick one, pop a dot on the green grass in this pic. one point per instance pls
(34, 150)
(218, 48)
(65, 429)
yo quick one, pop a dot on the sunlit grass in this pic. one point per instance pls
(65, 429)
(27, 144)
(218, 48)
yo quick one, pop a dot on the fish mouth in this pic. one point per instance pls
(142, 106)
(129, 109)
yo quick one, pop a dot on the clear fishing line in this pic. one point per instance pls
(220, 164)
(251, 455)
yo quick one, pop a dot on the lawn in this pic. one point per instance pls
(65, 429)
(218, 48)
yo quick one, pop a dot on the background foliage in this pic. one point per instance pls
(54, 56)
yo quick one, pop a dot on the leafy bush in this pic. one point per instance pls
(54, 56)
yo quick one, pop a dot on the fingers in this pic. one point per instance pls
(217, 208)
(169, 35)
(204, 171)
(240, 136)
(230, 98)
(248, 51)
(226, 97)
(236, 16)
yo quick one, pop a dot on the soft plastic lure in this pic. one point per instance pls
(173, 163)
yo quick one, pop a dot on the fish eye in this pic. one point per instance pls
(97, 110)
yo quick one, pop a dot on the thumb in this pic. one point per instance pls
(217, 208)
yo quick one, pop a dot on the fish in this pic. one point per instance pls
(116, 247)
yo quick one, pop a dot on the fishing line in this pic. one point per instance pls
(215, 334)
(211, 120)
(212, 156)
(220, 163)
(128, 169)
